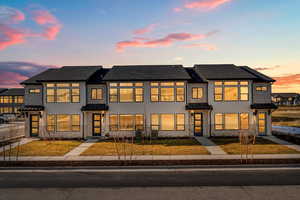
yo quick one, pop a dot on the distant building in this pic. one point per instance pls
(289, 99)
(11, 100)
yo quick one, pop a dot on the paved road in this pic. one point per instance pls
(156, 184)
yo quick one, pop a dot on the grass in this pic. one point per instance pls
(286, 116)
(45, 148)
(262, 146)
(158, 147)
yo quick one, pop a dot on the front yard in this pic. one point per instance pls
(44, 148)
(155, 147)
(262, 146)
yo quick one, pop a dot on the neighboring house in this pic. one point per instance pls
(204, 100)
(288, 99)
(11, 100)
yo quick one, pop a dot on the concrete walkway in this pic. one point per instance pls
(23, 141)
(282, 142)
(81, 148)
(210, 146)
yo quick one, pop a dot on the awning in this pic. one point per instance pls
(198, 106)
(94, 107)
(263, 106)
(31, 108)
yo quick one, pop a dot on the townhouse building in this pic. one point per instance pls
(11, 100)
(169, 100)
(286, 99)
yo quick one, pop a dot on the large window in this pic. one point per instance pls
(6, 110)
(12, 99)
(63, 92)
(197, 93)
(167, 91)
(64, 123)
(126, 122)
(231, 121)
(231, 90)
(168, 122)
(126, 92)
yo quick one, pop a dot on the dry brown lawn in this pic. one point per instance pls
(45, 148)
(262, 146)
(155, 147)
(286, 116)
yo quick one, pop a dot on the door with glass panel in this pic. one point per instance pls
(198, 124)
(96, 124)
(34, 125)
(262, 121)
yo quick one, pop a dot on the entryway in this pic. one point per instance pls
(262, 122)
(198, 124)
(96, 124)
(34, 125)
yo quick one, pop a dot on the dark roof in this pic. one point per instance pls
(285, 95)
(198, 106)
(3, 89)
(13, 92)
(31, 108)
(66, 73)
(94, 107)
(223, 72)
(97, 77)
(147, 72)
(263, 106)
(195, 78)
(261, 77)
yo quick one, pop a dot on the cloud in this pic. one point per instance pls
(160, 42)
(50, 23)
(14, 72)
(267, 68)
(144, 30)
(204, 46)
(177, 9)
(288, 80)
(11, 36)
(10, 15)
(204, 5)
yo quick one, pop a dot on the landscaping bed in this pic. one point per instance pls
(262, 146)
(146, 147)
(44, 148)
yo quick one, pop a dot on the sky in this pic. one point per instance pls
(37, 35)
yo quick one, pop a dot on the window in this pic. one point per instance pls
(197, 93)
(19, 99)
(231, 90)
(113, 122)
(113, 95)
(168, 122)
(126, 122)
(66, 123)
(167, 91)
(261, 122)
(180, 122)
(126, 94)
(261, 88)
(34, 91)
(51, 123)
(63, 92)
(96, 94)
(231, 121)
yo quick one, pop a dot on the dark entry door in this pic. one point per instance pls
(262, 123)
(96, 124)
(198, 124)
(34, 125)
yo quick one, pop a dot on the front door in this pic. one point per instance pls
(34, 125)
(96, 124)
(198, 124)
(262, 121)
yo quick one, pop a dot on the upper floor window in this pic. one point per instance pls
(261, 88)
(167, 91)
(197, 93)
(126, 92)
(34, 91)
(19, 99)
(11, 99)
(97, 93)
(231, 90)
(63, 92)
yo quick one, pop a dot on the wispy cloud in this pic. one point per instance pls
(145, 30)
(204, 5)
(10, 15)
(267, 68)
(204, 46)
(287, 80)
(11, 79)
(160, 42)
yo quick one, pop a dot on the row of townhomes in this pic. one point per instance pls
(169, 100)
(287, 99)
(11, 100)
